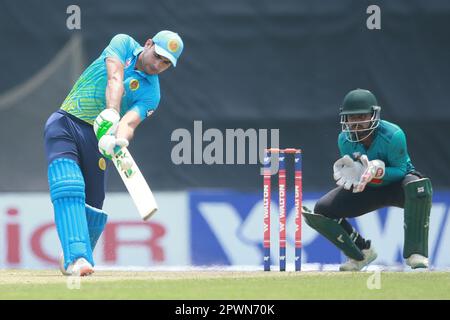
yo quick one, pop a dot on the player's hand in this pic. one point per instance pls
(339, 165)
(372, 170)
(106, 123)
(108, 145)
(347, 172)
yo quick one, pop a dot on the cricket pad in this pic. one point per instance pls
(334, 232)
(418, 195)
(96, 221)
(68, 197)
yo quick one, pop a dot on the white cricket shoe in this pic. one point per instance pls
(81, 267)
(417, 261)
(355, 265)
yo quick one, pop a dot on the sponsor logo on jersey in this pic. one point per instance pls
(134, 84)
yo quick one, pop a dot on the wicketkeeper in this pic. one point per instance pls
(375, 171)
(110, 99)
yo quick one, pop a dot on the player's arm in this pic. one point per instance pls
(114, 87)
(122, 132)
(115, 55)
(107, 121)
(128, 124)
(397, 157)
(377, 172)
(142, 108)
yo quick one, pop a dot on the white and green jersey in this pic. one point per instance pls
(141, 91)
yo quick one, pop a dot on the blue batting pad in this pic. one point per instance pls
(96, 221)
(67, 193)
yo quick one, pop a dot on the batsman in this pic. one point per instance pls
(98, 117)
(374, 171)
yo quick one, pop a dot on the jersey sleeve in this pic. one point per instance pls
(119, 47)
(397, 158)
(147, 101)
(145, 107)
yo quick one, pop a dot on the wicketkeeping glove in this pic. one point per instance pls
(372, 170)
(347, 172)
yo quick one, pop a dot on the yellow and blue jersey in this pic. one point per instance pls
(141, 91)
(388, 145)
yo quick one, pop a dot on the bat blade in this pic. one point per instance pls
(136, 185)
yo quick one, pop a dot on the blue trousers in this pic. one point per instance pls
(68, 137)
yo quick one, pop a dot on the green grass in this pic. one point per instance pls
(225, 285)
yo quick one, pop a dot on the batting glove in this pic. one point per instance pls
(106, 123)
(109, 145)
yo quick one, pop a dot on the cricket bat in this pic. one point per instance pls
(136, 185)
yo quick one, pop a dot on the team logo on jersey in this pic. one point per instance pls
(150, 112)
(134, 85)
(173, 45)
(102, 164)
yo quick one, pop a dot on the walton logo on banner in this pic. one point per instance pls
(227, 229)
